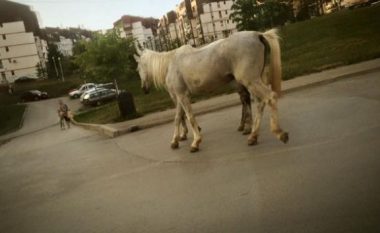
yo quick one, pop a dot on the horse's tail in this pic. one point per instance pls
(271, 39)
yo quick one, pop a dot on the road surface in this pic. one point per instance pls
(325, 180)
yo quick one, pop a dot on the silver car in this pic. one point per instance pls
(98, 96)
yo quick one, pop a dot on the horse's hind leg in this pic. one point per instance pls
(269, 97)
(184, 126)
(186, 105)
(177, 120)
(246, 115)
(260, 105)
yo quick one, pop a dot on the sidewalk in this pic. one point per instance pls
(226, 101)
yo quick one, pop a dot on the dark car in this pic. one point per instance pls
(25, 79)
(99, 96)
(33, 95)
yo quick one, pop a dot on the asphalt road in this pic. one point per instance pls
(325, 180)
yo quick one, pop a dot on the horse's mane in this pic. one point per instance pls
(157, 66)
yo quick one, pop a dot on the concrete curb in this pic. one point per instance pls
(231, 100)
(23, 117)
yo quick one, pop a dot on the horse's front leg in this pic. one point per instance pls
(186, 105)
(177, 120)
(269, 97)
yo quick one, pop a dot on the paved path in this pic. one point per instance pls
(325, 180)
(41, 115)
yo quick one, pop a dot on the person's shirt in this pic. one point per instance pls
(64, 108)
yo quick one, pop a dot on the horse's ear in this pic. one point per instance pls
(137, 58)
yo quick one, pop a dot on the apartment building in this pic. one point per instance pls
(42, 50)
(216, 22)
(19, 54)
(203, 21)
(168, 31)
(187, 21)
(142, 29)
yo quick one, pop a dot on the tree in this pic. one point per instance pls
(274, 13)
(254, 15)
(52, 65)
(106, 57)
(244, 12)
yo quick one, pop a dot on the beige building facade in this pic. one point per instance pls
(216, 22)
(19, 54)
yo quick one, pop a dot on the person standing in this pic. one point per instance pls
(63, 112)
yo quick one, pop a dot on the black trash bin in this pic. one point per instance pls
(126, 105)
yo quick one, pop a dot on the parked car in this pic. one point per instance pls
(24, 79)
(99, 96)
(34, 95)
(89, 92)
(76, 93)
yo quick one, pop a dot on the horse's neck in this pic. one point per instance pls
(159, 63)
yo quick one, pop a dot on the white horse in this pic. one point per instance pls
(240, 58)
(245, 98)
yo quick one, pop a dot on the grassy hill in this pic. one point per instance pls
(342, 38)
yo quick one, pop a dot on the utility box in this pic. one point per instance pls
(126, 105)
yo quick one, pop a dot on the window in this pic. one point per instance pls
(220, 14)
(6, 48)
(1, 64)
(228, 21)
(4, 37)
(226, 12)
(13, 72)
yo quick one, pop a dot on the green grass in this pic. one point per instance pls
(342, 38)
(10, 118)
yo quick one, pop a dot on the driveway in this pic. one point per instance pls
(40, 115)
(325, 180)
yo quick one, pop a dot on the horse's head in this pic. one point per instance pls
(142, 68)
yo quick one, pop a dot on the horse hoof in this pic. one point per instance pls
(183, 138)
(246, 131)
(284, 137)
(194, 149)
(252, 141)
(241, 128)
(174, 145)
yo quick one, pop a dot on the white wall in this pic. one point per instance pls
(12, 27)
(17, 39)
(18, 52)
